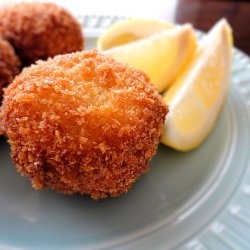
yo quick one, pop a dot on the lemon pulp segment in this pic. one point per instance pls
(197, 96)
(161, 56)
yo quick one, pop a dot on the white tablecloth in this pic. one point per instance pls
(160, 9)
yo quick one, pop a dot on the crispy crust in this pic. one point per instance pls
(39, 30)
(83, 123)
(9, 64)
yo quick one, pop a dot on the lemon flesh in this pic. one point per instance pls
(196, 98)
(161, 56)
(130, 30)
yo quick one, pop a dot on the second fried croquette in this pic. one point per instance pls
(82, 123)
(9, 64)
(39, 30)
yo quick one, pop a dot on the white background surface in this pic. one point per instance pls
(159, 9)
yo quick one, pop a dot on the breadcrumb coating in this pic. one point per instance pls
(82, 123)
(39, 30)
(9, 64)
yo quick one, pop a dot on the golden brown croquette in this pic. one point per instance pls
(9, 64)
(39, 30)
(82, 122)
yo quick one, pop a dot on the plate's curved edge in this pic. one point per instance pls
(228, 237)
(94, 25)
(231, 228)
(221, 230)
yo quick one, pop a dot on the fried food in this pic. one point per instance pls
(39, 30)
(9, 64)
(82, 123)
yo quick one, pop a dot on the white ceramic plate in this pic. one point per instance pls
(196, 200)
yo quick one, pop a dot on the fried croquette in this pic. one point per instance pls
(39, 30)
(82, 123)
(9, 64)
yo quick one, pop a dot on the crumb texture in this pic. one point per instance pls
(9, 64)
(82, 123)
(39, 30)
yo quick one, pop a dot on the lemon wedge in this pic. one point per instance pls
(130, 30)
(161, 56)
(196, 98)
